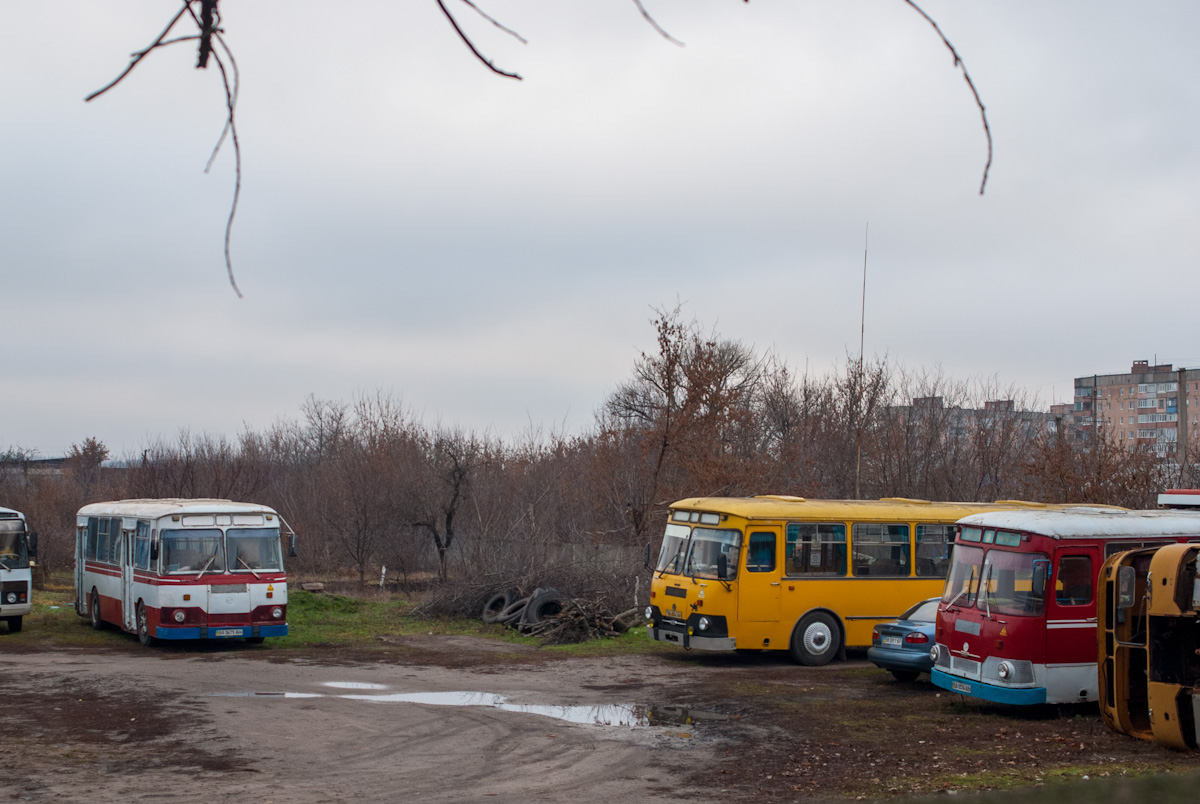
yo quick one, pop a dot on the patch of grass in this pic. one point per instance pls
(1101, 787)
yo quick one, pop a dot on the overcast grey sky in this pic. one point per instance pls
(491, 251)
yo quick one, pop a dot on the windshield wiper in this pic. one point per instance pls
(204, 569)
(2, 564)
(963, 591)
(987, 593)
(247, 566)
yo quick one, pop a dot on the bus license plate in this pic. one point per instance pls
(960, 686)
(222, 632)
(893, 641)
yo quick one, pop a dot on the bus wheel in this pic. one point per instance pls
(143, 627)
(254, 640)
(815, 640)
(14, 624)
(94, 611)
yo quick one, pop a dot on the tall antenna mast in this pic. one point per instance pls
(862, 329)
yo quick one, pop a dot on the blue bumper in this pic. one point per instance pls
(889, 659)
(1025, 696)
(226, 632)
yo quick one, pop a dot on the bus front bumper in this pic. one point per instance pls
(1025, 696)
(221, 632)
(679, 636)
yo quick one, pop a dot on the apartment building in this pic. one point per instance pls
(1155, 407)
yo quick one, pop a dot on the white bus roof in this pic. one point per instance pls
(8, 513)
(151, 509)
(1091, 523)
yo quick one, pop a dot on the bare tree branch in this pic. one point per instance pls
(958, 62)
(497, 23)
(655, 25)
(231, 128)
(139, 55)
(470, 45)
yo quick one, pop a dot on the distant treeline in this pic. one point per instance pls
(365, 484)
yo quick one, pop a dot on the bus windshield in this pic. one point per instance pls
(193, 551)
(707, 545)
(1010, 586)
(674, 547)
(13, 552)
(963, 581)
(254, 549)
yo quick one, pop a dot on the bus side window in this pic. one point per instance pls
(760, 554)
(815, 549)
(933, 550)
(141, 546)
(1073, 585)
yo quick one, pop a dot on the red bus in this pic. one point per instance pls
(1017, 620)
(182, 569)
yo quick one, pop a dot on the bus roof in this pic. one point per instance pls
(8, 513)
(899, 509)
(1083, 522)
(166, 507)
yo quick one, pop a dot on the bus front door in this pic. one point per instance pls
(758, 588)
(128, 604)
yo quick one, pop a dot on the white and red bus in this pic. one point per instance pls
(17, 546)
(1017, 620)
(182, 569)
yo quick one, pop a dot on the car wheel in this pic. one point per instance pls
(905, 675)
(143, 626)
(815, 640)
(94, 611)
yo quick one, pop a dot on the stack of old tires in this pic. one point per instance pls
(509, 607)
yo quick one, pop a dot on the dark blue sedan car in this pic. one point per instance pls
(902, 647)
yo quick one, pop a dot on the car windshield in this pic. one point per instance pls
(963, 581)
(1012, 584)
(707, 546)
(254, 549)
(13, 552)
(195, 550)
(923, 612)
(674, 548)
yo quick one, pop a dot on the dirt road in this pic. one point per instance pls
(222, 726)
(446, 718)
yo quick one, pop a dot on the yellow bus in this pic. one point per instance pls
(807, 576)
(1149, 646)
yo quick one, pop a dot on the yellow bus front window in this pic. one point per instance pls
(708, 545)
(674, 548)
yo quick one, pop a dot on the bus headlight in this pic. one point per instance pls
(277, 613)
(649, 612)
(1004, 670)
(702, 624)
(933, 654)
(179, 615)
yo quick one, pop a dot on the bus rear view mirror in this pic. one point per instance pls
(154, 551)
(33, 544)
(722, 567)
(292, 552)
(1126, 587)
(1041, 569)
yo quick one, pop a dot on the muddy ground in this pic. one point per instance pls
(226, 722)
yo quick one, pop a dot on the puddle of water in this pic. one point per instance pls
(354, 685)
(267, 695)
(624, 715)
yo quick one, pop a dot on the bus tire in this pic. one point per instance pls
(94, 611)
(497, 603)
(143, 627)
(815, 640)
(14, 624)
(545, 604)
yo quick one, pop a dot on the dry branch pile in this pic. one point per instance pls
(554, 618)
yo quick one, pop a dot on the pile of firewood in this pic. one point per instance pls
(555, 618)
